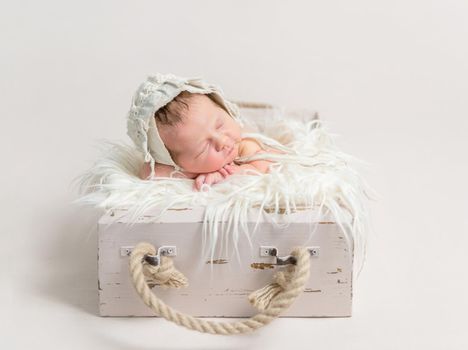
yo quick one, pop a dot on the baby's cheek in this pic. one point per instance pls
(214, 162)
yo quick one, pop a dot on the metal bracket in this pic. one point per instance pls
(273, 251)
(166, 250)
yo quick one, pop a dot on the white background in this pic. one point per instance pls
(390, 77)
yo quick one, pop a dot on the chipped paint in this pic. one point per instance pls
(282, 210)
(338, 269)
(218, 261)
(262, 266)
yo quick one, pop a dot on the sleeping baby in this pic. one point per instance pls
(186, 128)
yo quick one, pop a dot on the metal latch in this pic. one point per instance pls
(273, 251)
(166, 250)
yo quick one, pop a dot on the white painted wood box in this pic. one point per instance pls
(224, 293)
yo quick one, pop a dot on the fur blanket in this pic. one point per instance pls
(315, 174)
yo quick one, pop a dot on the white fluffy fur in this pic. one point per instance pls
(315, 174)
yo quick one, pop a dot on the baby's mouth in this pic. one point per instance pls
(231, 150)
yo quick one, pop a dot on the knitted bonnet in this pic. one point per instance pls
(154, 93)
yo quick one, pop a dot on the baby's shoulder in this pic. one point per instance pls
(249, 146)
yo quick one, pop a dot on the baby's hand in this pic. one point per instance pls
(210, 178)
(232, 168)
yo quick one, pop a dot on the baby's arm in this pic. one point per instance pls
(163, 170)
(257, 165)
(249, 148)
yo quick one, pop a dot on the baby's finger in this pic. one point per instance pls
(224, 172)
(199, 181)
(207, 179)
(210, 179)
(229, 169)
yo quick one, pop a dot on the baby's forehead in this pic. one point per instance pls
(200, 111)
(197, 101)
(185, 131)
(197, 117)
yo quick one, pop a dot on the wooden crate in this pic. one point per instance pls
(220, 289)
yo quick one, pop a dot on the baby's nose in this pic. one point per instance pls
(222, 142)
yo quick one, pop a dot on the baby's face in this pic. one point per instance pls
(206, 140)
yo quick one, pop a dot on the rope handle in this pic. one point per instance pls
(270, 300)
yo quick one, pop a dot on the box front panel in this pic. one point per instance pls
(220, 289)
